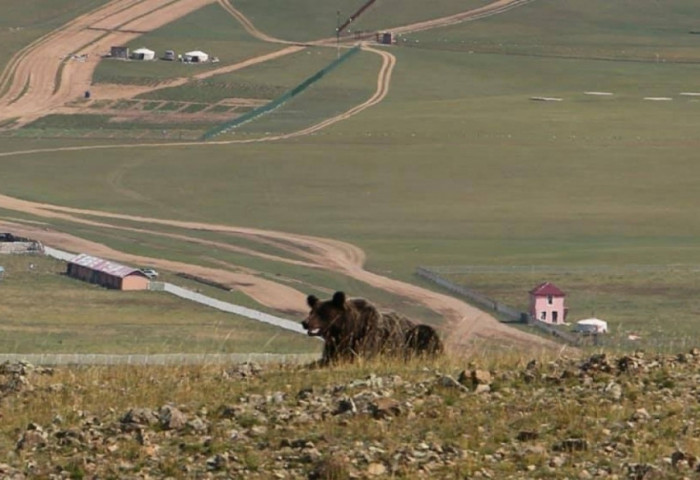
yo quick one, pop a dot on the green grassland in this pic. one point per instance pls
(456, 166)
(263, 81)
(304, 20)
(384, 14)
(640, 30)
(210, 29)
(312, 19)
(655, 303)
(42, 310)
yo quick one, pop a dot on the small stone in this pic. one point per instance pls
(481, 377)
(376, 469)
(171, 418)
(198, 425)
(481, 388)
(385, 407)
(449, 382)
(640, 415)
(557, 462)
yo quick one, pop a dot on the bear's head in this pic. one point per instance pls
(325, 316)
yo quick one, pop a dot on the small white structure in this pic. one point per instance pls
(592, 326)
(195, 57)
(143, 54)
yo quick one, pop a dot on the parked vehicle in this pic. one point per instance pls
(150, 273)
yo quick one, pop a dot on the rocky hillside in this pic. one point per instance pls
(626, 417)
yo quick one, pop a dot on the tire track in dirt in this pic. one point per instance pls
(248, 25)
(383, 81)
(56, 80)
(465, 322)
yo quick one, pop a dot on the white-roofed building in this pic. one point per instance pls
(592, 325)
(195, 56)
(143, 54)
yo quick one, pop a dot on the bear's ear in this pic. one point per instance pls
(311, 300)
(339, 299)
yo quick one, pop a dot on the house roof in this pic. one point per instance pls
(547, 288)
(105, 266)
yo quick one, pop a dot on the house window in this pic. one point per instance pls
(555, 316)
(543, 315)
(550, 300)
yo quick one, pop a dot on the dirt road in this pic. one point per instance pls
(59, 67)
(466, 323)
(28, 95)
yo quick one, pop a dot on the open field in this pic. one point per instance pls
(455, 166)
(654, 304)
(71, 316)
(208, 29)
(647, 30)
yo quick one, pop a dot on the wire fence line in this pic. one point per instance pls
(494, 305)
(166, 359)
(559, 269)
(476, 297)
(282, 99)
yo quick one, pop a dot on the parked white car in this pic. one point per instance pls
(150, 273)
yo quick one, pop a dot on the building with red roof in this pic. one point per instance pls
(107, 274)
(547, 304)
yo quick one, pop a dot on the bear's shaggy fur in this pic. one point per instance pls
(354, 328)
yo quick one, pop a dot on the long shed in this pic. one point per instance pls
(106, 273)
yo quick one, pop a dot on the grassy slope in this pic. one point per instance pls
(210, 29)
(457, 166)
(544, 418)
(70, 316)
(622, 29)
(319, 18)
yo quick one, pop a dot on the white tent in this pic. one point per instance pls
(143, 54)
(592, 325)
(195, 56)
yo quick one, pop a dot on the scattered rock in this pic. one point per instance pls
(376, 469)
(171, 418)
(385, 407)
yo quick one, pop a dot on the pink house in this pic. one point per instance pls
(547, 304)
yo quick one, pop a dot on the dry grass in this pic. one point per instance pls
(551, 418)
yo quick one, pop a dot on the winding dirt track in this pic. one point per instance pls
(466, 323)
(29, 92)
(44, 75)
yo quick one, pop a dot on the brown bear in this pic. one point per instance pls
(354, 328)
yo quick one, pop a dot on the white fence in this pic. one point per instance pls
(203, 299)
(59, 254)
(230, 307)
(156, 359)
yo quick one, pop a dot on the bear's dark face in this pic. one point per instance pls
(325, 316)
